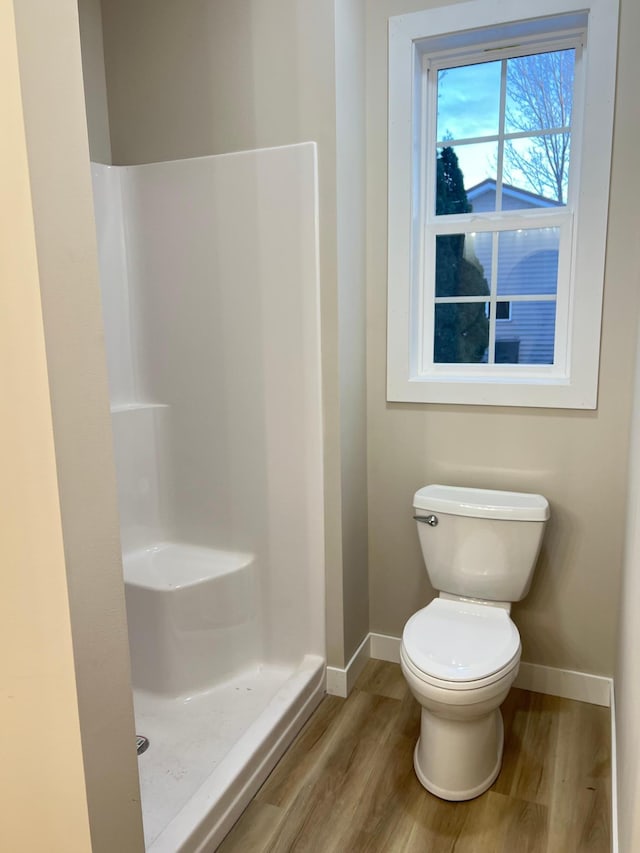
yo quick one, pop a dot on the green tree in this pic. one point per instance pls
(462, 329)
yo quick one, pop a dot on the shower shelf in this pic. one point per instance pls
(137, 406)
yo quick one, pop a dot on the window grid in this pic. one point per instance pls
(496, 221)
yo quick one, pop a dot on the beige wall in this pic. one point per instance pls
(202, 78)
(577, 459)
(627, 679)
(87, 576)
(351, 236)
(95, 83)
(627, 671)
(194, 78)
(38, 691)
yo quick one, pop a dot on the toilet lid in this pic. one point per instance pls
(460, 640)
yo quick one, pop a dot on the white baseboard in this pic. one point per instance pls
(384, 647)
(377, 646)
(340, 681)
(566, 683)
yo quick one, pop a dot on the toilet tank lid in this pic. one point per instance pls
(482, 503)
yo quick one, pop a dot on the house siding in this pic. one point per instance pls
(527, 265)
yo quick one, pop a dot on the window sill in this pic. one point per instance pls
(545, 393)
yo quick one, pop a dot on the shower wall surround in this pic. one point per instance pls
(211, 312)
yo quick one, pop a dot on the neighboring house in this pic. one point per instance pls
(483, 198)
(527, 264)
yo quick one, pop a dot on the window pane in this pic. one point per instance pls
(528, 261)
(461, 333)
(465, 178)
(539, 165)
(540, 91)
(468, 101)
(458, 269)
(527, 338)
(478, 250)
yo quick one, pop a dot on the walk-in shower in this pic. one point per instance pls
(211, 314)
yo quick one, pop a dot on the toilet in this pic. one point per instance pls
(460, 654)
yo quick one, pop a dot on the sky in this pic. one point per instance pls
(468, 107)
(469, 100)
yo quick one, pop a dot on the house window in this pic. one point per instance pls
(503, 310)
(495, 260)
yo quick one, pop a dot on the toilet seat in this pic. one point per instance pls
(460, 645)
(458, 692)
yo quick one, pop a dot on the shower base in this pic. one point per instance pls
(209, 754)
(216, 714)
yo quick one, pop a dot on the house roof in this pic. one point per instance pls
(489, 185)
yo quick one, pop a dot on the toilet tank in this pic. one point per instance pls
(480, 543)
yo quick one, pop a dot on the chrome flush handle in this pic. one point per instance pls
(431, 520)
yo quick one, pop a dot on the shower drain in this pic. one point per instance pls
(142, 744)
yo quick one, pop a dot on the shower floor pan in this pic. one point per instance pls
(209, 754)
(217, 718)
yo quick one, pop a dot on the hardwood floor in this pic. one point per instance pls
(347, 782)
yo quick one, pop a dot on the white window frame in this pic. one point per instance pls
(572, 381)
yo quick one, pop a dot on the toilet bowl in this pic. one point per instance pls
(459, 659)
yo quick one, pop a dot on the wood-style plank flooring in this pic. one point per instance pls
(347, 782)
